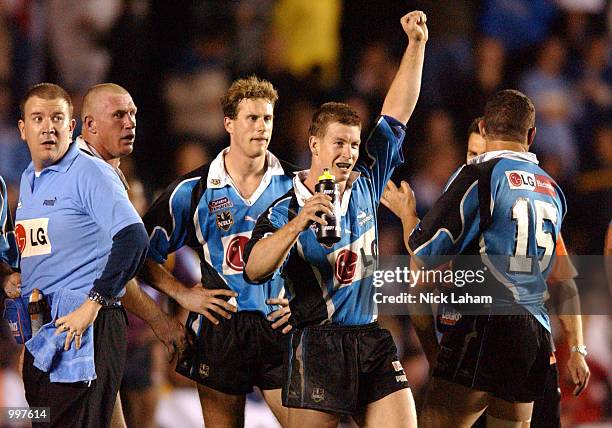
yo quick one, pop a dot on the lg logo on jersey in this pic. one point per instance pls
(527, 181)
(517, 180)
(233, 250)
(346, 264)
(355, 261)
(32, 237)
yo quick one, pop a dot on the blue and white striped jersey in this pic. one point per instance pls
(335, 284)
(506, 209)
(8, 245)
(205, 211)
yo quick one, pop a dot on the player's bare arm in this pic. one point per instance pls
(577, 365)
(404, 90)
(168, 330)
(401, 202)
(196, 299)
(270, 253)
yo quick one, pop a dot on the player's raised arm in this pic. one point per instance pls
(404, 91)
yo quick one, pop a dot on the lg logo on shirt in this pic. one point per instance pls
(32, 237)
(233, 250)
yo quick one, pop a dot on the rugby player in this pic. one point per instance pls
(546, 410)
(213, 210)
(496, 362)
(10, 280)
(339, 361)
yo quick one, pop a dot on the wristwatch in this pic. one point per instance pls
(581, 349)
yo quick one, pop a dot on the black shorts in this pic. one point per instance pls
(79, 404)
(547, 410)
(505, 355)
(235, 355)
(341, 369)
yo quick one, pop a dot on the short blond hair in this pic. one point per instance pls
(249, 88)
(46, 91)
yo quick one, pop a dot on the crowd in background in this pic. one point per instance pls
(177, 59)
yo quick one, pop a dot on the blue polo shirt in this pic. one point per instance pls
(66, 219)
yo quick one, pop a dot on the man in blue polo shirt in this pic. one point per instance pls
(79, 238)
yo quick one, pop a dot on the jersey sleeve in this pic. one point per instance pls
(8, 245)
(451, 225)
(168, 219)
(104, 198)
(271, 220)
(383, 150)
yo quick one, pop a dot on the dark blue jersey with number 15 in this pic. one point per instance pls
(504, 208)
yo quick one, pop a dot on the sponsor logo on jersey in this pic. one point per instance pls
(364, 217)
(225, 220)
(397, 366)
(19, 204)
(32, 237)
(219, 204)
(346, 264)
(521, 180)
(354, 261)
(318, 395)
(544, 185)
(449, 316)
(233, 252)
(50, 202)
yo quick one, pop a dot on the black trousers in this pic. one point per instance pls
(80, 404)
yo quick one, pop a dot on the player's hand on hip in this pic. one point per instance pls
(12, 285)
(579, 371)
(170, 332)
(76, 322)
(206, 302)
(415, 26)
(280, 317)
(319, 203)
(399, 200)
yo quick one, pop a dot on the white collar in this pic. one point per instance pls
(218, 176)
(507, 154)
(302, 192)
(88, 148)
(91, 151)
